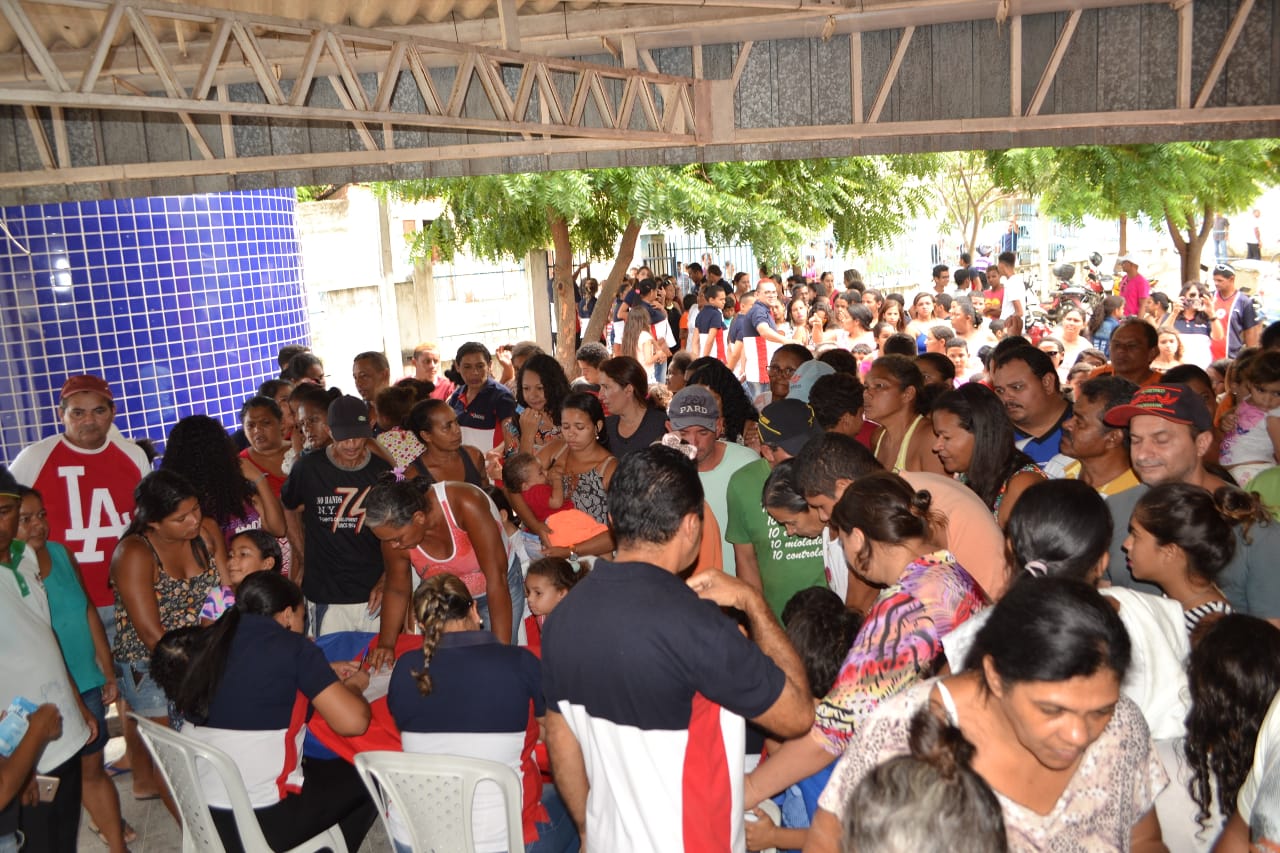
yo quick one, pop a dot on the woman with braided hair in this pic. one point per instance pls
(468, 694)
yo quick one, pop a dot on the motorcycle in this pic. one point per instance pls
(1068, 294)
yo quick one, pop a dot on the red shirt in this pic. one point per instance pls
(444, 387)
(88, 495)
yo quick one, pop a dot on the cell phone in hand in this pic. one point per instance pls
(48, 787)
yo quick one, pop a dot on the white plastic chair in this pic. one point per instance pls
(176, 755)
(433, 797)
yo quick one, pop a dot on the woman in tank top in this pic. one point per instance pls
(432, 528)
(161, 573)
(446, 458)
(893, 396)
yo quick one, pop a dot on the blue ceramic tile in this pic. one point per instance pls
(113, 287)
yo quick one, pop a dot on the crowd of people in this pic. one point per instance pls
(778, 565)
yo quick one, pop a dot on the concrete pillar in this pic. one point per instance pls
(424, 302)
(540, 308)
(387, 288)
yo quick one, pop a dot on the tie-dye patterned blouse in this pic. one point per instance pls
(900, 643)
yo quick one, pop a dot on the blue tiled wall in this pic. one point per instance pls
(180, 302)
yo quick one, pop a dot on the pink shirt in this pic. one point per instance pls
(1134, 289)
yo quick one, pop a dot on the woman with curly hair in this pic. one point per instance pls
(1234, 675)
(739, 415)
(464, 693)
(233, 491)
(541, 386)
(976, 441)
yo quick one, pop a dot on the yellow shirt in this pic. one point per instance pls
(1123, 483)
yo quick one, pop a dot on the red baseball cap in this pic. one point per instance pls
(1173, 402)
(86, 382)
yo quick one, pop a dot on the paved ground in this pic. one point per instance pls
(157, 830)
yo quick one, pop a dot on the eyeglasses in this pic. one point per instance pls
(782, 371)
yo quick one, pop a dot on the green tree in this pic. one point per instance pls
(1178, 187)
(774, 206)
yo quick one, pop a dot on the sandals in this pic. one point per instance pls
(130, 834)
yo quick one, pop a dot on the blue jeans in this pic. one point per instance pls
(515, 586)
(93, 701)
(141, 692)
(557, 835)
(1219, 248)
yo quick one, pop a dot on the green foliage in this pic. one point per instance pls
(1170, 183)
(775, 206)
(316, 192)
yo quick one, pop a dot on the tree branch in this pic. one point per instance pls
(609, 287)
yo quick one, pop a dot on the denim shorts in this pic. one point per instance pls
(141, 692)
(93, 701)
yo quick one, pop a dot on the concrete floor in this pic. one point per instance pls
(157, 831)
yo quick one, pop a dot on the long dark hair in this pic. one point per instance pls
(1233, 674)
(1198, 522)
(1044, 540)
(555, 385)
(438, 600)
(156, 498)
(589, 405)
(189, 663)
(995, 457)
(200, 450)
(1102, 312)
(886, 509)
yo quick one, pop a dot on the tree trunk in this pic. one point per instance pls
(1190, 245)
(566, 307)
(609, 287)
(1124, 234)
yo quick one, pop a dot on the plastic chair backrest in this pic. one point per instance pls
(176, 755)
(433, 796)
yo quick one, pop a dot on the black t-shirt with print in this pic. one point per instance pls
(343, 557)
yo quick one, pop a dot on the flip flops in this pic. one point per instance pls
(130, 834)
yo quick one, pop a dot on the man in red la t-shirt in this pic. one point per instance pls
(87, 476)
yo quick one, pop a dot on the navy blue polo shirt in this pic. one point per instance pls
(481, 417)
